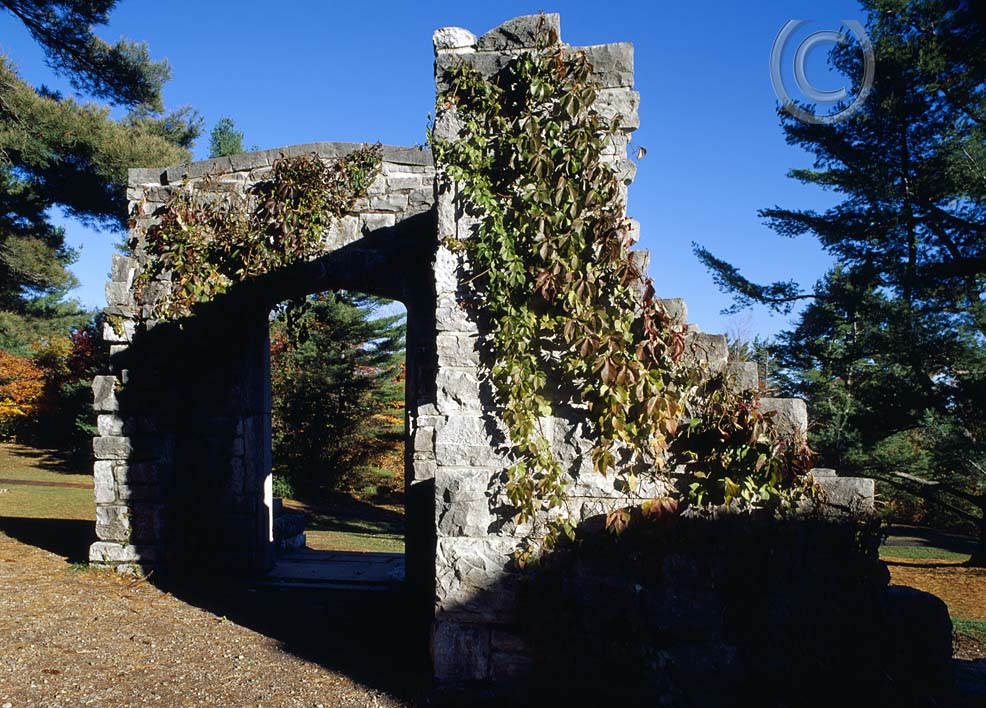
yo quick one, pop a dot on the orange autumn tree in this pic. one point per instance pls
(21, 385)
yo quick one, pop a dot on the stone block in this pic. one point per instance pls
(677, 310)
(122, 332)
(457, 349)
(424, 439)
(396, 183)
(519, 33)
(464, 441)
(118, 294)
(424, 470)
(846, 495)
(123, 269)
(113, 523)
(472, 579)
(448, 125)
(108, 552)
(707, 351)
(612, 64)
(118, 447)
(460, 652)
(109, 425)
(451, 316)
(453, 39)
(458, 391)
(743, 375)
(104, 482)
(486, 63)
(371, 222)
(392, 201)
(463, 519)
(462, 485)
(342, 232)
(622, 102)
(790, 415)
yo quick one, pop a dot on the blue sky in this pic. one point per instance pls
(309, 71)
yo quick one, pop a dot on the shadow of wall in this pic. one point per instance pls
(734, 611)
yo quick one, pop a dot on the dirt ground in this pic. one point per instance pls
(963, 589)
(73, 637)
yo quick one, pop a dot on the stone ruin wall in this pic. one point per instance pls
(141, 425)
(455, 450)
(475, 633)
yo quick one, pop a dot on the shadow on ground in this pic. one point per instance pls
(68, 538)
(901, 535)
(51, 460)
(375, 637)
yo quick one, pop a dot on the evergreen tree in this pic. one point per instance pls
(225, 139)
(58, 153)
(890, 350)
(336, 366)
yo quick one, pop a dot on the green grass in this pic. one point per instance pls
(922, 553)
(352, 541)
(972, 628)
(31, 502)
(342, 522)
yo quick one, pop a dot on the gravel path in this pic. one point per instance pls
(72, 637)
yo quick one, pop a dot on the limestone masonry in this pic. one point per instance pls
(183, 471)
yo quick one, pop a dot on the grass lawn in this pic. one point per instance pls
(338, 522)
(19, 463)
(921, 553)
(344, 523)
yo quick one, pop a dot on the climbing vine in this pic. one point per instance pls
(550, 265)
(208, 237)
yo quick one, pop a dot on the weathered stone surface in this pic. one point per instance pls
(104, 482)
(708, 351)
(450, 316)
(452, 39)
(118, 447)
(460, 652)
(472, 579)
(464, 441)
(113, 523)
(743, 375)
(448, 125)
(458, 519)
(620, 102)
(851, 495)
(486, 63)
(369, 223)
(108, 552)
(123, 269)
(458, 391)
(790, 415)
(462, 485)
(123, 331)
(612, 64)
(677, 310)
(457, 349)
(109, 424)
(519, 33)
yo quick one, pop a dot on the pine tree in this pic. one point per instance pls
(891, 348)
(336, 366)
(57, 153)
(225, 139)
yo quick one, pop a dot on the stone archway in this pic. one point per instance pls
(183, 454)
